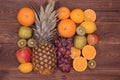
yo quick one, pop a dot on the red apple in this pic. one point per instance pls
(92, 39)
(24, 55)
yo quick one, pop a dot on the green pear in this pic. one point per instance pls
(79, 41)
(25, 32)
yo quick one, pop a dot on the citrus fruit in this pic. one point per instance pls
(25, 67)
(74, 52)
(63, 13)
(21, 43)
(80, 31)
(26, 16)
(90, 15)
(89, 52)
(66, 28)
(92, 64)
(89, 27)
(80, 64)
(77, 15)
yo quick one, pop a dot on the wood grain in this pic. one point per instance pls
(108, 49)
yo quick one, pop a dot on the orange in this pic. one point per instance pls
(26, 16)
(89, 52)
(90, 15)
(77, 15)
(74, 52)
(80, 64)
(63, 13)
(89, 27)
(66, 28)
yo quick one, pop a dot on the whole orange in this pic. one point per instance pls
(63, 13)
(26, 16)
(77, 15)
(66, 28)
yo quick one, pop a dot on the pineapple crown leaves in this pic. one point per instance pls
(45, 22)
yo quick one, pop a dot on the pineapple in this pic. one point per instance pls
(44, 56)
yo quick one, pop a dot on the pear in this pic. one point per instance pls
(79, 41)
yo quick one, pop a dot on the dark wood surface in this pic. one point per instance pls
(108, 49)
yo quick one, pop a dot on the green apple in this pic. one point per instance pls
(25, 32)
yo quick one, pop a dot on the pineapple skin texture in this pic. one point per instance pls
(44, 58)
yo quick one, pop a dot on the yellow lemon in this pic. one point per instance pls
(90, 27)
(25, 67)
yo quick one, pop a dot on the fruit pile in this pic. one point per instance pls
(50, 44)
(79, 25)
(26, 18)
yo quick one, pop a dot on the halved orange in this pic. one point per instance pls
(80, 64)
(89, 52)
(90, 15)
(75, 52)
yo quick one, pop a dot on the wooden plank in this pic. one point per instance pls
(105, 9)
(94, 75)
(108, 32)
(108, 49)
(97, 5)
(107, 56)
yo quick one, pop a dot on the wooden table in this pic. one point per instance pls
(108, 49)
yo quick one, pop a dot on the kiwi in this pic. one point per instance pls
(92, 64)
(21, 43)
(31, 42)
(80, 31)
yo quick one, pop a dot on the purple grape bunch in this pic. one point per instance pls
(63, 46)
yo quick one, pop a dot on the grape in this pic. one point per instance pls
(63, 46)
(66, 56)
(68, 68)
(70, 39)
(63, 69)
(59, 45)
(59, 54)
(66, 61)
(61, 49)
(56, 42)
(68, 52)
(68, 46)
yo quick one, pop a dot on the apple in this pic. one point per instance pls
(92, 39)
(25, 32)
(24, 55)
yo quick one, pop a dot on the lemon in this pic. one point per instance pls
(25, 67)
(89, 27)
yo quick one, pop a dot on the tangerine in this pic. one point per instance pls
(66, 28)
(63, 13)
(77, 15)
(26, 16)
